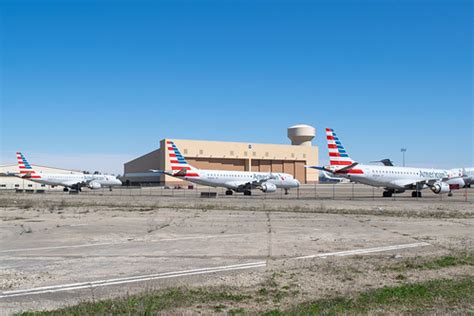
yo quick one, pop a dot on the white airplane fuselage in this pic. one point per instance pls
(68, 180)
(232, 179)
(394, 177)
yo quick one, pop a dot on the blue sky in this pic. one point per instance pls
(91, 84)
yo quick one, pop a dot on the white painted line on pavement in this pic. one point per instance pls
(119, 243)
(364, 251)
(57, 247)
(140, 278)
(175, 274)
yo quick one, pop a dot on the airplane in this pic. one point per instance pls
(467, 176)
(233, 181)
(392, 178)
(71, 181)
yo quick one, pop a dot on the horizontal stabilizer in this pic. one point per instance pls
(334, 171)
(181, 172)
(169, 173)
(347, 168)
(157, 171)
(318, 168)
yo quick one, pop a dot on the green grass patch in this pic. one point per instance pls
(409, 298)
(434, 264)
(418, 298)
(149, 303)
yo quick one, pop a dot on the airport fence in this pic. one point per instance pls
(332, 191)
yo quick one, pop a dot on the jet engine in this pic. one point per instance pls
(94, 185)
(440, 188)
(268, 187)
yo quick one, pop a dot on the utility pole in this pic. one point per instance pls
(403, 150)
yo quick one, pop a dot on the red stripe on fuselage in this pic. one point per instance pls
(330, 137)
(180, 168)
(351, 171)
(340, 163)
(332, 146)
(188, 175)
(34, 176)
(334, 155)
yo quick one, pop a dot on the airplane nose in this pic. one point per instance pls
(297, 183)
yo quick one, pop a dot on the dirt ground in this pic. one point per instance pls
(60, 249)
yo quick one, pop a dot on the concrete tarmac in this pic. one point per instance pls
(59, 249)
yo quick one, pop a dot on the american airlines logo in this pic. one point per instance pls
(433, 174)
(261, 177)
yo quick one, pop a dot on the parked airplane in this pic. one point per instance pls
(393, 179)
(234, 181)
(462, 177)
(68, 181)
(466, 174)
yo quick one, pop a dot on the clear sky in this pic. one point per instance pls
(92, 84)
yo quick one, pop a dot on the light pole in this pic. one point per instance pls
(403, 150)
(250, 157)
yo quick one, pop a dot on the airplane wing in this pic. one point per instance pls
(169, 173)
(71, 184)
(334, 171)
(416, 183)
(238, 185)
(407, 183)
(248, 185)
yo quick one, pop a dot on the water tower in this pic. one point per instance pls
(301, 134)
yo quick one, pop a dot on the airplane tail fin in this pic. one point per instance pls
(177, 160)
(26, 171)
(338, 156)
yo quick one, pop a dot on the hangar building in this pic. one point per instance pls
(236, 156)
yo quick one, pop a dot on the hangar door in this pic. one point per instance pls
(218, 163)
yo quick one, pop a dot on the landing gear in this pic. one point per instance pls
(387, 193)
(229, 192)
(110, 189)
(286, 191)
(65, 189)
(450, 193)
(75, 189)
(416, 194)
(248, 192)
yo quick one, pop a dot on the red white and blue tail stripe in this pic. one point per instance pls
(26, 170)
(179, 165)
(338, 155)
